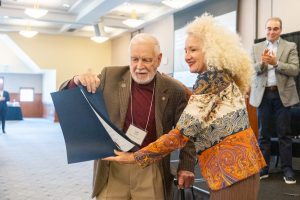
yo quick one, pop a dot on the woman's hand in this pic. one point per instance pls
(122, 157)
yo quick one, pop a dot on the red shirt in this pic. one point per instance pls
(141, 101)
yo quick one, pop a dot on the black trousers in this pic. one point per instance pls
(271, 108)
(3, 117)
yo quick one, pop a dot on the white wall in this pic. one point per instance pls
(163, 30)
(9, 62)
(119, 51)
(246, 23)
(287, 10)
(13, 82)
(49, 80)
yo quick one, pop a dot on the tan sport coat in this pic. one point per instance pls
(285, 72)
(170, 100)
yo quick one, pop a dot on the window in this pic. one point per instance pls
(26, 94)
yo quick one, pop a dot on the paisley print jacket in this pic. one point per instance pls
(216, 120)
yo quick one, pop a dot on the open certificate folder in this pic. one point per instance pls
(86, 127)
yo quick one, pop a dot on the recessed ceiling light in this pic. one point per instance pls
(28, 33)
(99, 39)
(176, 4)
(36, 12)
(133, 22)
(65, 5)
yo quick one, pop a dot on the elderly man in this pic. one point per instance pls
(144, 104)
(273, 92)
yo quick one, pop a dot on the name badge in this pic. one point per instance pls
(137, 135)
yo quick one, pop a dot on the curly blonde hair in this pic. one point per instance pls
(222, 49)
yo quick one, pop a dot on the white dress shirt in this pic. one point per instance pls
(271, 70)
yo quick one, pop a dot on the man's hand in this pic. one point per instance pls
(264, 56)
(185, 179)
(122, 157)
(91, 81)
(268, 57)
(272, 58)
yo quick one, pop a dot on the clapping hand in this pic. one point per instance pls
(268, 57)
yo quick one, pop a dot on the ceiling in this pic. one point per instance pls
(78, 17)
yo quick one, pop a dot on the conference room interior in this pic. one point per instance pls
(33, 161)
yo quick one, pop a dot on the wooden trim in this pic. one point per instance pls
(30, 109)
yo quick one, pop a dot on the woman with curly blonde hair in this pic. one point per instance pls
(216, 118)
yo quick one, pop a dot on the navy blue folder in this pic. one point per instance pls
(85, 137)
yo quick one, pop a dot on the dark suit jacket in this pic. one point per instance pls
(170, 100)
(3, 103)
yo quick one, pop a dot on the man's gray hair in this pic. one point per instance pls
(275, 19)
(146, 37)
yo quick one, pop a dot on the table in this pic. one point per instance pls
(14, 113)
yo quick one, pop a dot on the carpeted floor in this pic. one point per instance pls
(33, 166)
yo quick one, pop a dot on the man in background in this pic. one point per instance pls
(4, 98)
(141, 102)
(273, 92)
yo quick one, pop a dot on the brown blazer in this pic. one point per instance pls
(170, 100)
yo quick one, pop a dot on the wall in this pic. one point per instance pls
(59, 57)
(214, 7)
(49, 83)
(68, 55)
(9, 62)
(30, 109)
(265, 9)
(13, 83)
(119, 50)
(163, 30)
(287, 10)
(246, 23)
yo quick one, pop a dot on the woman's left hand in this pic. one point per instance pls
(122, 157)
